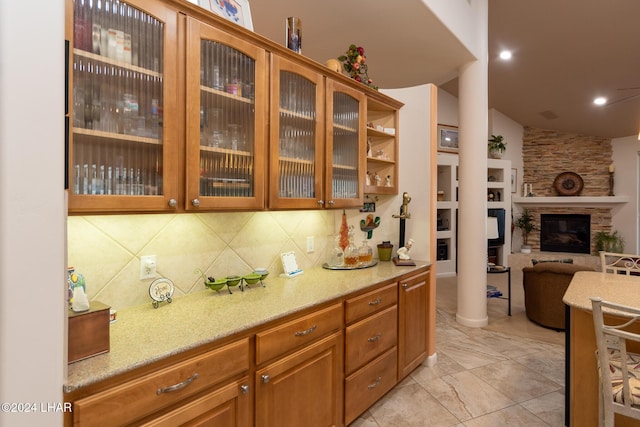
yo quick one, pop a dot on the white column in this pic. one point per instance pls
(472, 183)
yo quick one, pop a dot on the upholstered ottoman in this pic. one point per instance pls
(544, 286)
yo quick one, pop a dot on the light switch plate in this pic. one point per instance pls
(147, 267)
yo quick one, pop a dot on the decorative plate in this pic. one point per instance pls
(568, 184)
(161, 290)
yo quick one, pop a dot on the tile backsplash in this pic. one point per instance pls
(107, 249)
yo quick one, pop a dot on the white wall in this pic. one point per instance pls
(626, 158)
(461, 17)
(32, 212)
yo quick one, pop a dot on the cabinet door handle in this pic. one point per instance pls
(321, 202)
(375, 338)
(173, 203)
(307, 332)
(375, 384)
(178, 386)
(196, 203)
(405, 285)
(244, 389)
(265, 378)
(331, 203)
(375, 301)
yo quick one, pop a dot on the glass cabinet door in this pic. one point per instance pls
(296, 149)
(120, 82)
(226, 106)
(345, 149)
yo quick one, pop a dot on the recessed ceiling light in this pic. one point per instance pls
(601, 100)
(506, 55)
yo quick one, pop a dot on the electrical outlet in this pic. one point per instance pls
(147, 267)
(311, 245)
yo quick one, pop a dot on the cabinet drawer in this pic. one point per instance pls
(370, 337)
(368, 384)
(364, 305)
(148, 394)
(281, 339)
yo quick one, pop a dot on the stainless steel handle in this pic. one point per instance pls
(321, 202)
(375, 338)
(173, 203)
(196, 203)
(178, 386)
(405, 285)
(244, 389)
(265, 378)
(375, 301)
(331, 203)
(376, 384)
(307, 332)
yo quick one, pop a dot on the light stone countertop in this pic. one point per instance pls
(143, 335)
(616, 288)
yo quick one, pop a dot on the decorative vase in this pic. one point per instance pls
(525, 249)
(496, 154)
(384, 251)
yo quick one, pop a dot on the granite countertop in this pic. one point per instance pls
(143, 335)
(616, 288)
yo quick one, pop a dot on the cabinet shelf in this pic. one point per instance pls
(226, 151)
(380, 161)
(284, 113)
(120, 64)
(345, 128)
(377, 133)
(116, 136)
(224, 94)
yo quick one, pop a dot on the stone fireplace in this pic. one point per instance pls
(548, 153)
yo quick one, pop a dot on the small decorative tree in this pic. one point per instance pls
(608, 242)
(526, 225)
(497, 146)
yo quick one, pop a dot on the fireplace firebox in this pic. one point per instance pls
(565, 233)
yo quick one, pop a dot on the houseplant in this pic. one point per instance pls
(526, 225)
(497, 146)
(608, 242)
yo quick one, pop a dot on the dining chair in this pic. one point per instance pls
(618, 263)
(618, 369)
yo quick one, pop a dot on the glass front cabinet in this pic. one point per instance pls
(226, 110)
(174, 109)
(123, 69)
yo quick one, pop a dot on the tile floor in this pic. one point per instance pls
(510, 373)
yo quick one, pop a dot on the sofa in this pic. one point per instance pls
(544, 286)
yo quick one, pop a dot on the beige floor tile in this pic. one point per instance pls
(514, 416)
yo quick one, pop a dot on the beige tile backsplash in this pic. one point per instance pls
(107, 249)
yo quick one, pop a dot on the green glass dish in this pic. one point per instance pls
(216, 285)
(233, 280)
(252, 278)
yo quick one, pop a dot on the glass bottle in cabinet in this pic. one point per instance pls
(225, 114)
(118, 86)
(345, 146)
(296, 153)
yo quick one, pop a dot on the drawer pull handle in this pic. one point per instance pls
(244, 389)
(375, 301)
(376, 338)
(178, 386)
(307, 332)
(405, 285)
(376, 384)
(265, 378)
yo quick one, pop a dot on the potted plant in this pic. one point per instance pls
(608, 242)
(497, 146)
(526, 225)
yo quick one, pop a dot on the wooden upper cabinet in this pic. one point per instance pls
(123, 129)
(296, 154)
(226, 102)
(345, 146)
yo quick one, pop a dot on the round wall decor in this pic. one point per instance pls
(568, 184)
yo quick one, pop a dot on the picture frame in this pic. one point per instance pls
(448, 139)
(514, 180)
(237, 11)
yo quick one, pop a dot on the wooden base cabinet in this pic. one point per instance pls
(413, 318)
(304, 388)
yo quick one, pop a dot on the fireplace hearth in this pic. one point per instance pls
(565, 233)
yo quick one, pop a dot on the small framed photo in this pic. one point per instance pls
(447, 139)
(514, 180)
(237, 11)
